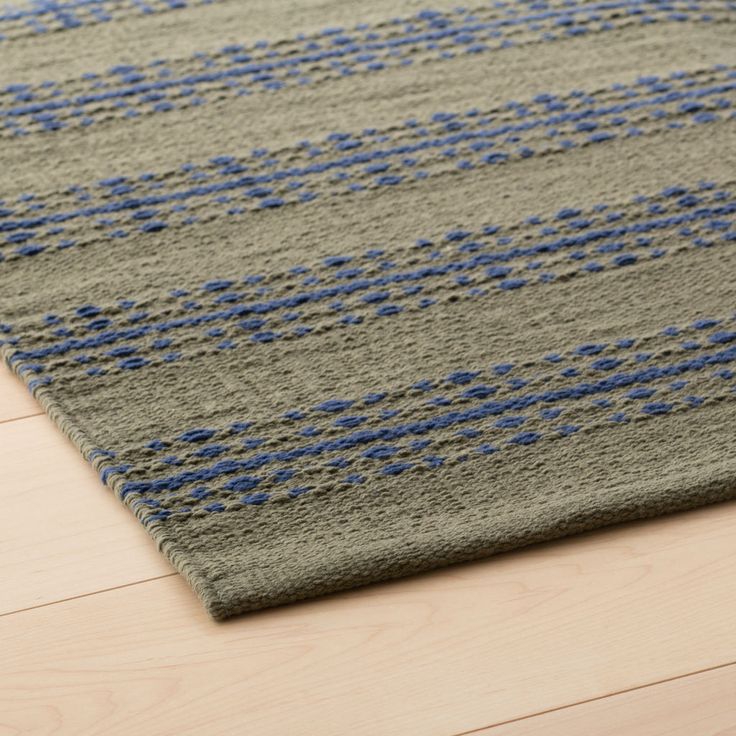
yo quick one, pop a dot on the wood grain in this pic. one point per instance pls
(444, 653)
(15, 399)
(450, 652)
(62, 533)
(702, 704)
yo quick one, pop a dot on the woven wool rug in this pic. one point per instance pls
(335, 292)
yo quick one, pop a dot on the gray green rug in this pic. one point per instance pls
(335, 292)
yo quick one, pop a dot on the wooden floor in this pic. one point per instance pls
(628, 631)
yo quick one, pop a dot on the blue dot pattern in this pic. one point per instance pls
(307, 283)
(471, 414)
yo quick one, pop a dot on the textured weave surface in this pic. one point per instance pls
(333, 292)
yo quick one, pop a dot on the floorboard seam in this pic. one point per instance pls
(599, 697)
(87, 595)
(25, 416)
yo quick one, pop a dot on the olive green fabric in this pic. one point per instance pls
(335, 292)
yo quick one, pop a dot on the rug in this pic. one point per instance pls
(335, 292)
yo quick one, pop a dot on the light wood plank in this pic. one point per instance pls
(703, 704)
(62, 533)
(443, 653)
(78, 540)
(15, 399)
